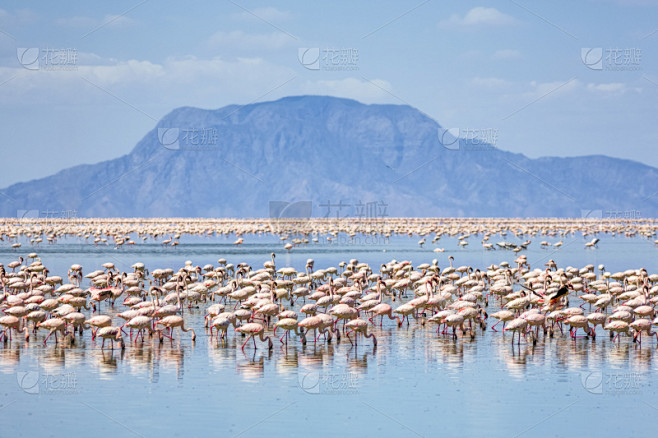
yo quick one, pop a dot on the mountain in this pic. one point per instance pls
(318, 155)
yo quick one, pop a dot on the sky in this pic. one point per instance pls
(83, 82)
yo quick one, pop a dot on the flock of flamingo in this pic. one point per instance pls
(148, 304)
(294, 232)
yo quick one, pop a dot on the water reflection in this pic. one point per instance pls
(251, 366)
(396, 346)
(107, 363)
(357, 357)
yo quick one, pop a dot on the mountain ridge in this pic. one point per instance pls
(233, 161)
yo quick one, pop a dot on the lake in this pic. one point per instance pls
(414, 383)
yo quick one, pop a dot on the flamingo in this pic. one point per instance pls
(517, 325)
(10, 322)
(455, 320)
(617, 326)
(502, 316)
(288, 325)
(173, 321)
(111, 333)
(253, 329)
(53, 325)
(222, 322)
(642, 326)
(359, 326)
(578, 321)
(15, 264)
(98, 321)
(310, 323)
(140, 323)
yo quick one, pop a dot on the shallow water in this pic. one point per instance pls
(415, 383)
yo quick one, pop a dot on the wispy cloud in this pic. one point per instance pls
(108, 21)
(242, 40)
(352, 88)
(478, 17)
(553, 89)
(491, 83)
(506, 54)
(269, 14)
(174, 82)
(608, 88)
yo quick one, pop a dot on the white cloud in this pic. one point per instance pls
(241, 40)
(352, 88)
(266, 14)
(76, 22)
(14, 19)
(81, 22)
(552, 89)
(506, 54)
(490, 83)
(609, 88)
(478, 17)
(145, 84)
(534, 91)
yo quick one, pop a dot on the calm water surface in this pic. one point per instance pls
(415, 383)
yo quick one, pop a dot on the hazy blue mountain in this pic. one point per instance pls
(294, 156)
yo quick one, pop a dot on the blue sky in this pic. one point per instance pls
(513, 66)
